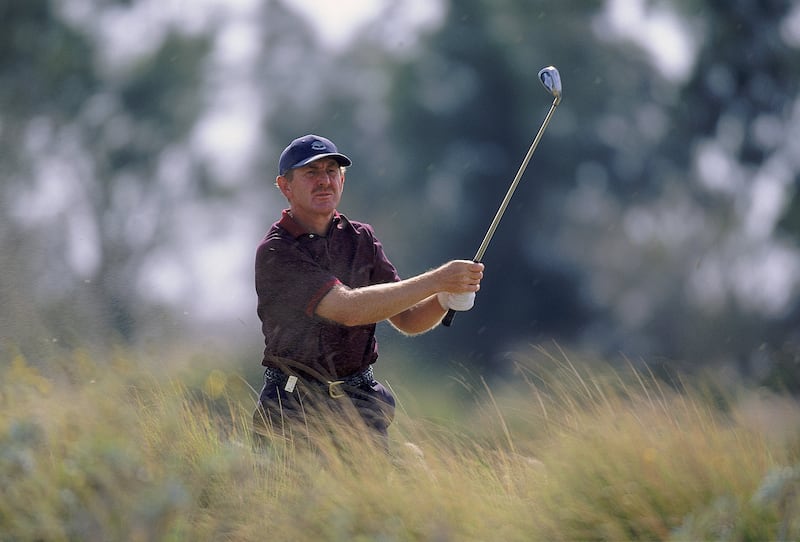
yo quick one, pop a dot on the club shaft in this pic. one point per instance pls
(499, 215)
(448, 318)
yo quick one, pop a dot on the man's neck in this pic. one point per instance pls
(317, 224)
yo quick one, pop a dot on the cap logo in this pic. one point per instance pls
(318, 146)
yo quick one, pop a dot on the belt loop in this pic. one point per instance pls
(334, 389)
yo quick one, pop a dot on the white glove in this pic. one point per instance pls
(456, 302)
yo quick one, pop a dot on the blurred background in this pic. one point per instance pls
(658, 221)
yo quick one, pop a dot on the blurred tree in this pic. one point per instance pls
(43, 73)
(739, 109)
(696, 268)
(87, 146)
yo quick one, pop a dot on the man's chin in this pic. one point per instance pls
(324, 203)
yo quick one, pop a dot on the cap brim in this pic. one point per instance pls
(341, 158)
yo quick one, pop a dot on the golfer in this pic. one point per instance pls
(323, 283)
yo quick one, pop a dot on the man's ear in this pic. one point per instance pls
(283, 185)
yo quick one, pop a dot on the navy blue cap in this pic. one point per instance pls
(308, 148)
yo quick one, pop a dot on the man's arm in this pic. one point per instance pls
(410, 304)
(420, 318)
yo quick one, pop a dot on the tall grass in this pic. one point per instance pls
(105, 449)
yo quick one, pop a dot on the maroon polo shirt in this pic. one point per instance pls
(294, 271)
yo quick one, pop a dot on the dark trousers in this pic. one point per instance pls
(310, 409)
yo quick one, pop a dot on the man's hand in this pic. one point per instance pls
(459, 276)
(462, 280)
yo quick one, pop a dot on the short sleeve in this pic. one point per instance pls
(288, 280)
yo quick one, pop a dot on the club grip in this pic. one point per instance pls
(447, 321)
(448, 318)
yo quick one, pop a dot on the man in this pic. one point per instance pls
(323, 282)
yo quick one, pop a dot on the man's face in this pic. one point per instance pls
(315, 188)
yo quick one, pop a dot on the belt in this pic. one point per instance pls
(273, 375)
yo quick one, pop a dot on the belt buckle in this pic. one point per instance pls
(334, 389)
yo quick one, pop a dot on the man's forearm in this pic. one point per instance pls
(422, 317)
(371, 304)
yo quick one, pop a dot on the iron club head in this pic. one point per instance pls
(551, 80)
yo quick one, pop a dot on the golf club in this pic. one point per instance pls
(551, 80)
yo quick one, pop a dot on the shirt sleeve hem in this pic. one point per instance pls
(315, 300)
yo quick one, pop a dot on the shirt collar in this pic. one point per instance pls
(294, 228)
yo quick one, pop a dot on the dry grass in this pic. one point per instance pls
(105, 450)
